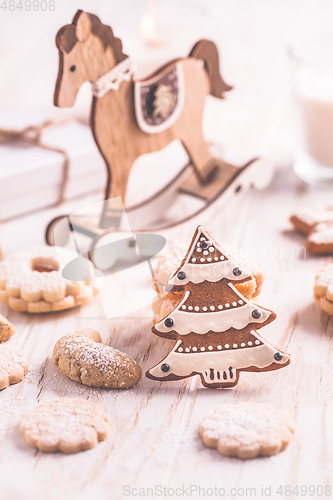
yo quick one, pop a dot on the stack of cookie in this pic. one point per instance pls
(170, 260)
(317, 224)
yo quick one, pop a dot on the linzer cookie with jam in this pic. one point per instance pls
(214, 325)
(31, 281)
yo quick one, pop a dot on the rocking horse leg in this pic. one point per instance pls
(118, 173)
(201, 159)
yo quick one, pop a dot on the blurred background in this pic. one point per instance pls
(252, 36)
(255, 39)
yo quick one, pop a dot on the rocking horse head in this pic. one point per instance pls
(87, 50)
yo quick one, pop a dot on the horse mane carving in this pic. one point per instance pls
(67, 35)
(208, 53)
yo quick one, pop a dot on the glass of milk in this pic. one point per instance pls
(313, 85)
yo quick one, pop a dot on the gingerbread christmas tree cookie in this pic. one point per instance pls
(214, 325)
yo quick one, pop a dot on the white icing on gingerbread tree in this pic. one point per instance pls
(214, 323)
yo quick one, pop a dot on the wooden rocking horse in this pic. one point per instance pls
(130, 118)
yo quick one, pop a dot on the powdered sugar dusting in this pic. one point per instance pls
(247, 429)
(67, 425)
(322, 234)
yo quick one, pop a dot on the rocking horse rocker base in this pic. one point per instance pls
(130, 118)
(228, 181)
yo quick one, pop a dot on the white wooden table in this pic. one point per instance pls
(154, 438)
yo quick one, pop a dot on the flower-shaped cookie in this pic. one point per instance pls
(32, 281)
(67, 425)
(246, 430)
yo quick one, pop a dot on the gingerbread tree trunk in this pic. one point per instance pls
(214, 324)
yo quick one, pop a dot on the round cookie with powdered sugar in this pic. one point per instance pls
(247, 430)
(67, 425)
(323, 289)
(13, 366)
(81, 357)
(32, 281)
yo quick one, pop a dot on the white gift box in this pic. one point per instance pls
(31, 176)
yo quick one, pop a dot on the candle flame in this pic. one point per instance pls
(148, 27)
